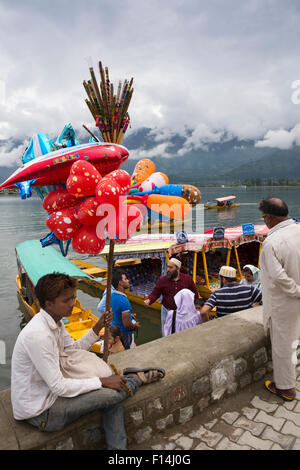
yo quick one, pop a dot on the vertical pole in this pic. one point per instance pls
(238, 261)
(260, 246)
(205, 267)
(108, 294)
(228, 257)
(195, 266)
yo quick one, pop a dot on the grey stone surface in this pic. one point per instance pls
(205, 382)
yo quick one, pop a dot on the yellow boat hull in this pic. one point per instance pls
(221, 208)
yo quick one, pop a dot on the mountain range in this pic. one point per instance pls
(230, 160)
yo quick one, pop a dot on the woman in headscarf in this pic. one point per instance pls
(251, 276)
(185, 316)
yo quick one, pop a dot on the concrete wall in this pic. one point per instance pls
(203, 365)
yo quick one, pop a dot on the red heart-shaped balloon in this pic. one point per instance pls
(122, 178)
(87, 212)
(83, 179)
(108, 192)
(63, 223)
(60, 199)
(86, 241)
(121, 227)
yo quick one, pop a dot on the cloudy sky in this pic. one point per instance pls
(218, 68)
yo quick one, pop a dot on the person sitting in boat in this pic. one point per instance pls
(120, 305)
(186, 315)
(251, 276)
(115, 343)
(168, 286)
(232, 296)
(48, 366)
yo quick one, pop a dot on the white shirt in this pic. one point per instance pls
(36, 379)
(280, 271)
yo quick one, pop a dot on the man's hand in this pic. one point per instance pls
(115, 382)
(137, 325)
(104, 320)
(205, 310)
(147, 302)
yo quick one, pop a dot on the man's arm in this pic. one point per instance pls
(256, 297)
(277, 274)
(205, 310)
(128, 323)
(155, 294)
(208, 306)
(45, 359)
(87, 340)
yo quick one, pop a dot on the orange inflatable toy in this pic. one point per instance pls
(143, 169)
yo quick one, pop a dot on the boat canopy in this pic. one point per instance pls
(38, 261)
(223, 199)
(152, 249)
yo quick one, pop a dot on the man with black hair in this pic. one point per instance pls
(280, 282)
(120, 305)
(232, 296)
(55, 380)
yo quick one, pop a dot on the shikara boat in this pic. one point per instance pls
(144, 259)
(222, 203)
(33, 262)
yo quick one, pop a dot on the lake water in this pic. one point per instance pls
(24, 220)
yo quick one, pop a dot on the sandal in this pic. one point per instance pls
(146, 375)
(271, 387)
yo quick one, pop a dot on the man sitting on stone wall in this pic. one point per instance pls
(55, 380)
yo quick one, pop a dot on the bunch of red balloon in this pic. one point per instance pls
(90, 207)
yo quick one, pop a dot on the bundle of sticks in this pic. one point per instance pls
(109, 110)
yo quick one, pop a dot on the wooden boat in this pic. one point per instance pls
(33, 262)
(222, 203)
(144, 262)
(144, 259)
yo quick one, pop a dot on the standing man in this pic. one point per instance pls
(120, 305)
(280, 281)
(168, 286)
(232, 296)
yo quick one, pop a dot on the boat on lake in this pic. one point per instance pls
(222, 203)
(33, 262)
(144, 259)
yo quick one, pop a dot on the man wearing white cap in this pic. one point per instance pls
(168, 286)
(232, 296)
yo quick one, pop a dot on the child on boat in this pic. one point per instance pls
(115, 343)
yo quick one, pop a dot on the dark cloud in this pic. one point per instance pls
(216, 68)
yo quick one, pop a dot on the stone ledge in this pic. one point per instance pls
(203, 364)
